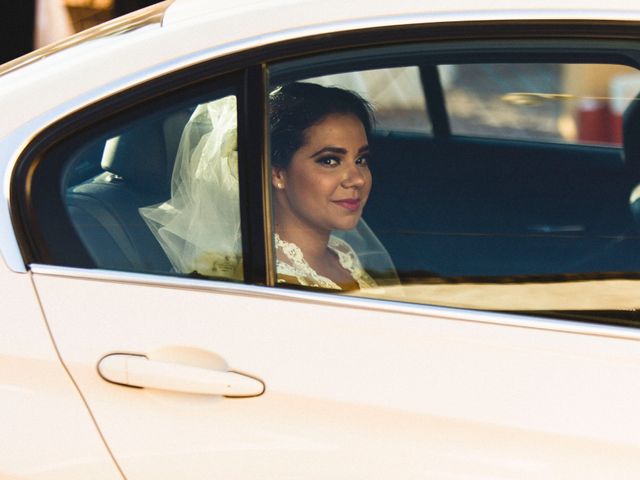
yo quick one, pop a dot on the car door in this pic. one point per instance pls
(47, 431)
(193, 377)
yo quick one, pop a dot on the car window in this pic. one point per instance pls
(396, 94)
(137, 186)
(573, 103)
(523, 200)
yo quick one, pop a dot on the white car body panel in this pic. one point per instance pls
(40, 407)
(355, 388)
(379, 387)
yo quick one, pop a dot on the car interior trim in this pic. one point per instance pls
(252, 172)
(436, 108)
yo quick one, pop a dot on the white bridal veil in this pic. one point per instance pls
(199, 226)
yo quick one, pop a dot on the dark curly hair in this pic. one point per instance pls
(295, 107)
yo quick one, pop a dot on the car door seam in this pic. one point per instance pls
(73, 381)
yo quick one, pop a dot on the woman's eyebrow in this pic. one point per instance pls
(341, 151)
(338, 150)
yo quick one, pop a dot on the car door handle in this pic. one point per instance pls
(139, 371)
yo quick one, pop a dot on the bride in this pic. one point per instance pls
(321, 182)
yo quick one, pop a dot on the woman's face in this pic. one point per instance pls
(327, 182)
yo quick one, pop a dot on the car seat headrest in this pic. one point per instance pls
(139, 157)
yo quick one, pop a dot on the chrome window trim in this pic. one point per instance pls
(359, 303)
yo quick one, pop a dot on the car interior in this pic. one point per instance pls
(480, 207)
(104, 208)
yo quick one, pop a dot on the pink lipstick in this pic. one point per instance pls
(350, 204)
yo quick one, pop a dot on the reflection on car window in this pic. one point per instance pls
(471, 218)
(395, 93)
(160, 193)
(575, 103)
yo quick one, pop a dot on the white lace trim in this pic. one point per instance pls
(299, 269)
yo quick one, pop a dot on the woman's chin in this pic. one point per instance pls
(347, 224)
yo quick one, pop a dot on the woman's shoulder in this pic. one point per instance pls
(350, 261)
(337, 244)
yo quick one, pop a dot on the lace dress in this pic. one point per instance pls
(295, 268)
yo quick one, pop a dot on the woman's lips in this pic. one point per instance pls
(351, 205)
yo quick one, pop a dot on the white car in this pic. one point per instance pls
(505, 164)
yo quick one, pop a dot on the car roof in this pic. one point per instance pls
(200, 29)
(313, 12)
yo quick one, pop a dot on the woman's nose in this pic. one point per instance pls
(354, 177)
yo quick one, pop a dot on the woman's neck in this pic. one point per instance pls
(312, 243)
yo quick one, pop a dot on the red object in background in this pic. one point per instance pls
(616, 128)
(595, 122)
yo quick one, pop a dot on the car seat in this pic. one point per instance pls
(137, 168)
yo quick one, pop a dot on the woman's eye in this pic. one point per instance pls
(364, 161)
(329, 161)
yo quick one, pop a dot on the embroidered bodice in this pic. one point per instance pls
(296, 267)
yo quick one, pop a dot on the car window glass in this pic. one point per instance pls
(574, 103)
(395, 93)
(156, 189)
(470, 219)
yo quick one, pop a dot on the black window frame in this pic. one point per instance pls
(40, 169)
